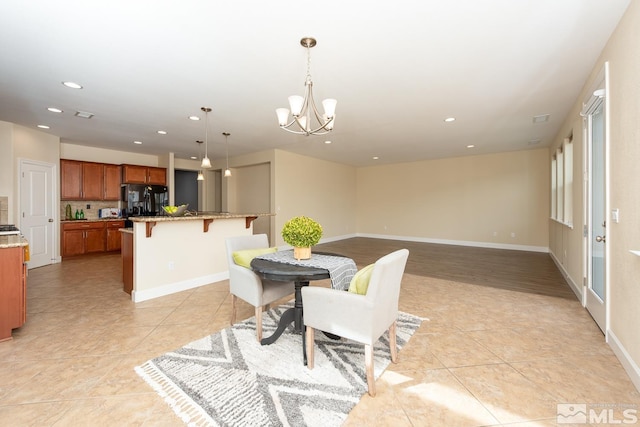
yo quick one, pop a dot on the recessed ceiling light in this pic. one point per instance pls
(194, 158)
(72, 85)
(533, 142)
(137, 142)
(375, 157)
(327, 142)
(44, 127)
(471, 146)
(162, 132)
(541, 118)
(194, 118)
(54, 110)
(450, 119)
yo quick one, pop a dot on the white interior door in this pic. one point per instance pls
(37, 211)
(596, 132)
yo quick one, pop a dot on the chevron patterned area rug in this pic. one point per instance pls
(228, 378)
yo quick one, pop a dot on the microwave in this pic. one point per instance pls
(109, 213)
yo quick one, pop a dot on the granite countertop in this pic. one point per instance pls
(12, 241)
(196, 216)
(92, 220)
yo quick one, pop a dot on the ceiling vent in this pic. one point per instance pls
(83, 114)
(541, 118)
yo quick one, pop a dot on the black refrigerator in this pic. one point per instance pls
(143, 200)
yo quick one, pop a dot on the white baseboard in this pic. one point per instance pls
(625, 359)
(172, 288)
(457, 242)
(577, 289)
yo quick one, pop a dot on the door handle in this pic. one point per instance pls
(602, 239)
(50, 219)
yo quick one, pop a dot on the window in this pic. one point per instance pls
(567, 148)
(562, 183)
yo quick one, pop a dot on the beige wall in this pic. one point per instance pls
(319, 189)
(101, 155)
(19, 142)
(478, 200)
(254, 194)
(623, 54)
(6, 166)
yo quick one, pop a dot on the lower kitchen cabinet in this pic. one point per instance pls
(83, 237)
(88, 237)
(114, 242)
(13, 290)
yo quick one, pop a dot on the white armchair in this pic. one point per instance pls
(248, 286)
(361, 318)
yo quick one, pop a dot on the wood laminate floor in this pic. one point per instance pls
(493, 349)
(532, 272)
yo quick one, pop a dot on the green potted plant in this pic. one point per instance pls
(302, 232)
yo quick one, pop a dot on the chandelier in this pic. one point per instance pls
(206, 163)
(306, 117)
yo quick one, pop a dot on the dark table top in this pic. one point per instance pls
(273, 270)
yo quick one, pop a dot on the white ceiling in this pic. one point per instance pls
(397, 69)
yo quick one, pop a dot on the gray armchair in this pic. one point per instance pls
(361, 318)
(248, 286)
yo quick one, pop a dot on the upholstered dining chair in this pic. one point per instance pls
(246, 285)
(361, 318)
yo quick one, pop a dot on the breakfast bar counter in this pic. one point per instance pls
(171, 254)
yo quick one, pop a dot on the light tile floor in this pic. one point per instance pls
(482, 357)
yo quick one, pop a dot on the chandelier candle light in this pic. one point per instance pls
(206, 163)
(304, 108)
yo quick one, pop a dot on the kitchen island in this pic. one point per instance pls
(167, 254)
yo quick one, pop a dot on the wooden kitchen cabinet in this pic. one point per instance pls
(70, 180)
(13, 290)
(83, 237)
(157, 176)
(134, 174)
(84, 181)
(114, 242)
(112, 176)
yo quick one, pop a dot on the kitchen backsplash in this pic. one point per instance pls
(4, 209)
(91, 213)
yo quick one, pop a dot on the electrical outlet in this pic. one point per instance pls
(88, 206)
(513, 235)
(171, 265)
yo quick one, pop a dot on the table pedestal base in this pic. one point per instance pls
(291, 315)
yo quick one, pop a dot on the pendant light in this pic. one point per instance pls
(206, 163)
(200, 174)
(227, 171)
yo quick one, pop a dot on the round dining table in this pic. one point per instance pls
(301, 276)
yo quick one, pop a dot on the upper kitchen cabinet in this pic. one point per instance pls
(81, 180)
(133, 174)
(89, 180)
(112, 174)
